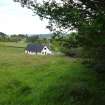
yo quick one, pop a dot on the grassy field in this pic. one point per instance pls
(46, 80)
(14, 44)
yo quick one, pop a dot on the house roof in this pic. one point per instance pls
(34, 47)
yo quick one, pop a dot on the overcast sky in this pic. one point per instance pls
(14, 19)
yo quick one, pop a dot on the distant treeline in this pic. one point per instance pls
(12, 38)
(67, 44)
(18, 37)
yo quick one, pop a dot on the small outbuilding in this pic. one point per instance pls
(33, 49)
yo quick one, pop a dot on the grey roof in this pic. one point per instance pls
(34, 47)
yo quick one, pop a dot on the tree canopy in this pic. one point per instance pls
(67, 13)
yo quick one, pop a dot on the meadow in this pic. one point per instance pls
(47, 80)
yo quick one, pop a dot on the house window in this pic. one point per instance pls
(44, 48)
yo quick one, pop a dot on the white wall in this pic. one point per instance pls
(46, 51)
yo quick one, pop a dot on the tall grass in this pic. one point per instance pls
(46, 80)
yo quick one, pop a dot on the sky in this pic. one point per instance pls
(17, 20)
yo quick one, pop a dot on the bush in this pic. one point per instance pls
(72, 52)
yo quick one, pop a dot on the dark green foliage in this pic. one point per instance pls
(12, 38)
(37, 40)
(67, 44)
(56, 41)
(70, 45)
(3, 37)
(33, 39)
(2, 34)
(64, 92)
(15, 38)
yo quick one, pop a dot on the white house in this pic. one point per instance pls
(33, 49)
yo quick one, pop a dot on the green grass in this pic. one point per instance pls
(14, 44)
(46, 80)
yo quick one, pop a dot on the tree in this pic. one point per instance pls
(32, 39)
(85, 16)
(3, 37)
(56, 41)
(70, 45)
(67, 13)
